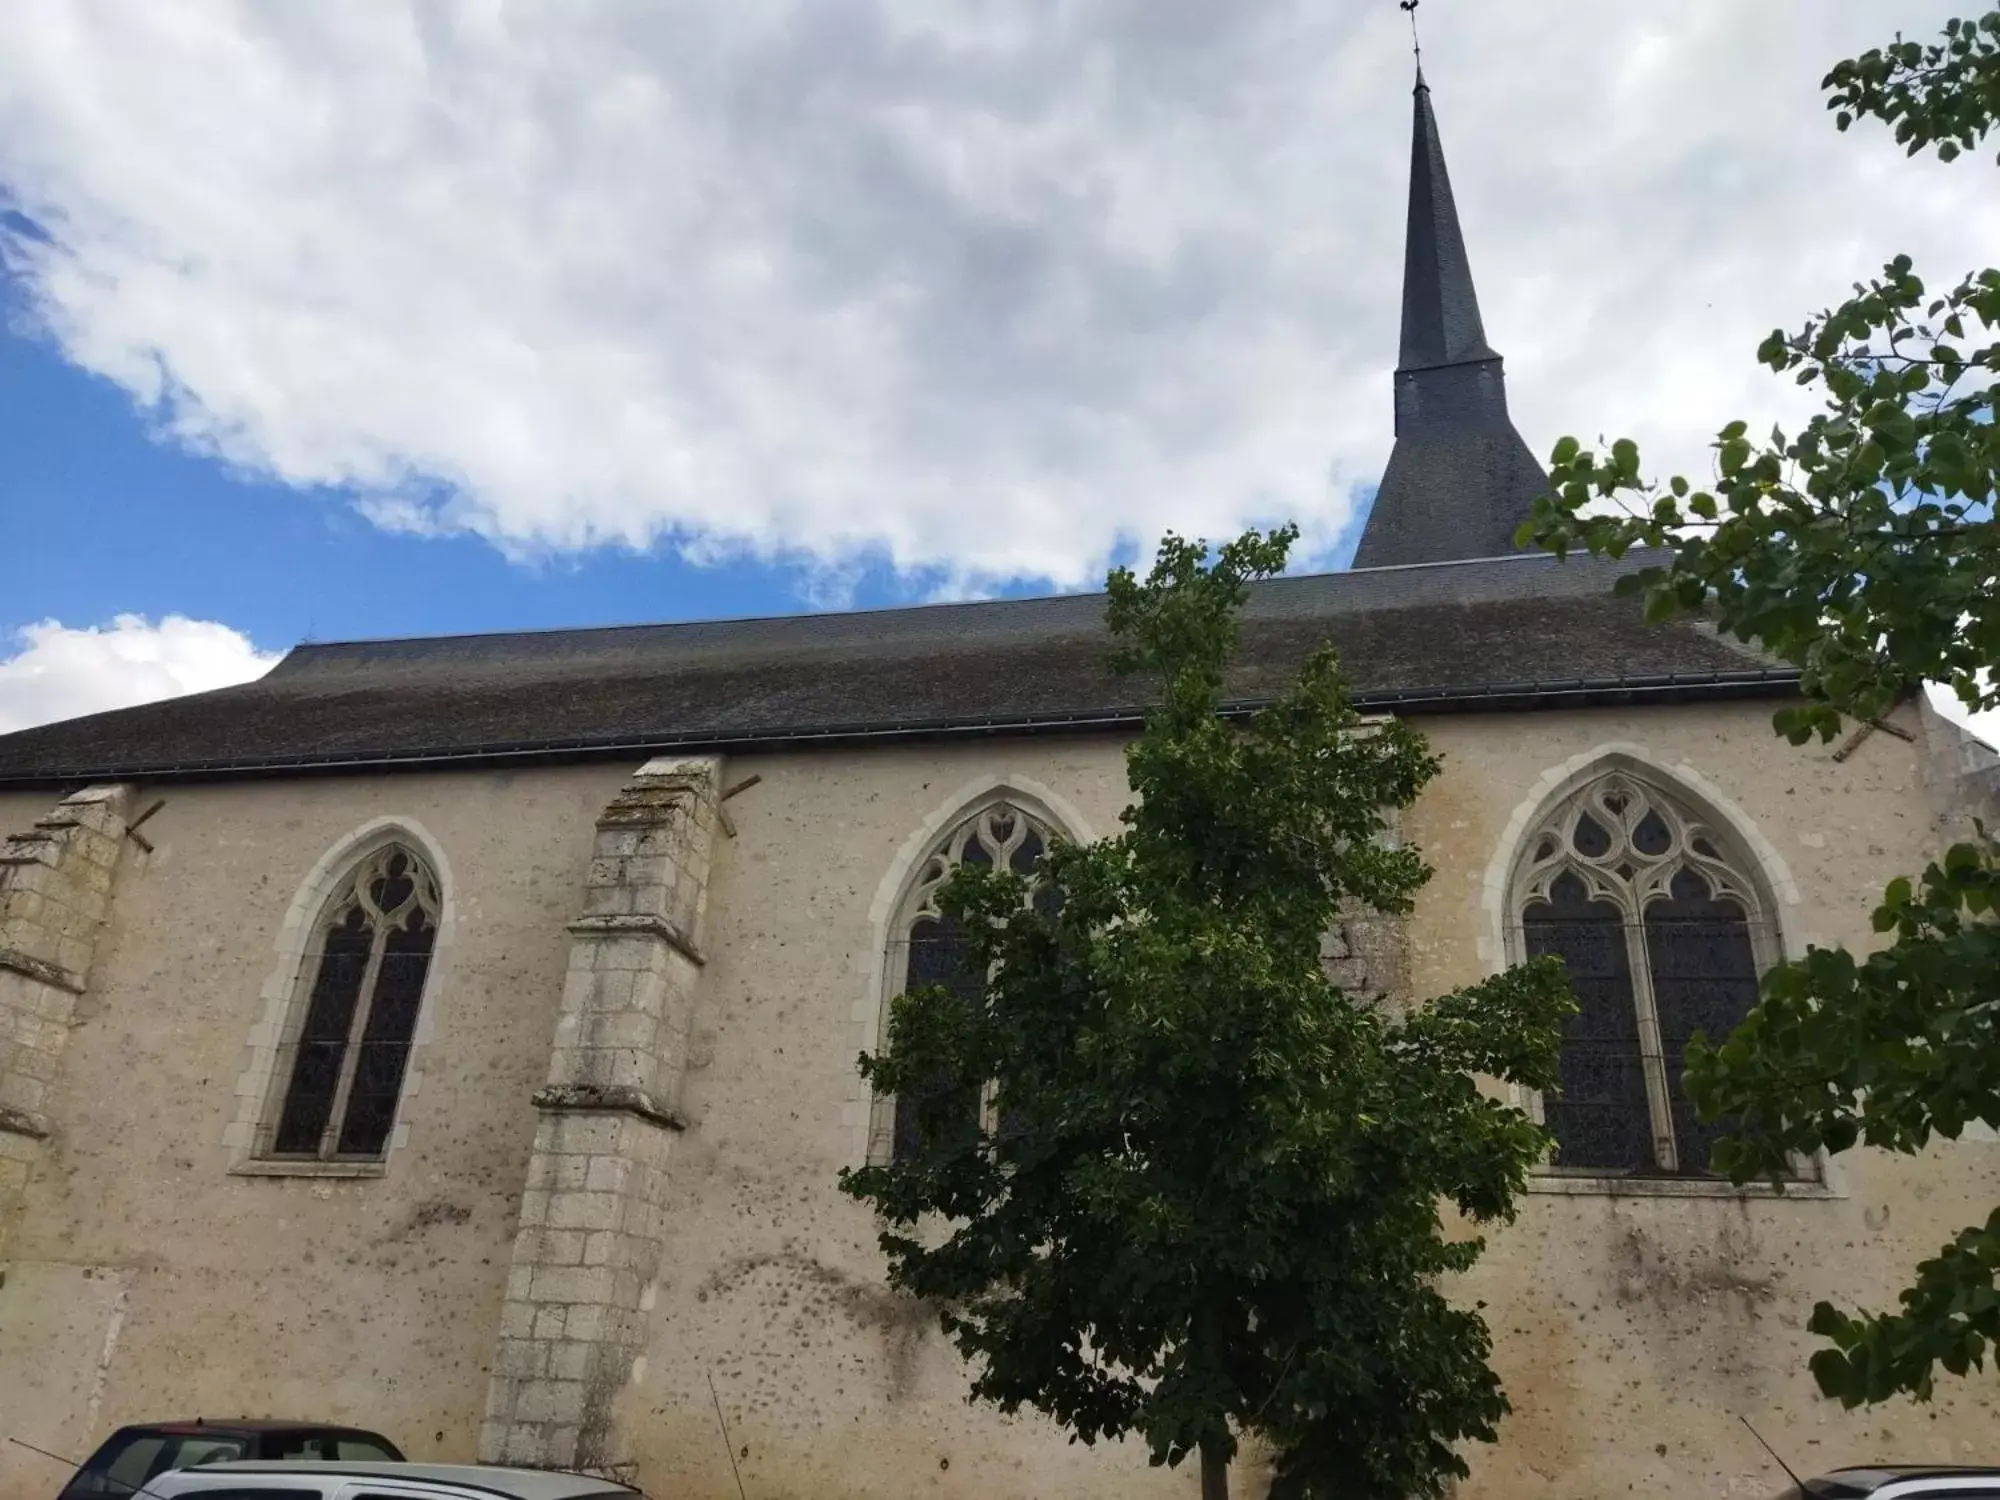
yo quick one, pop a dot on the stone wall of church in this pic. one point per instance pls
(151, 1277)
(770, 1286)
(148, 1279)
(1632, 1330)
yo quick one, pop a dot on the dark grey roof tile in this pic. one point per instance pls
(1513, 630)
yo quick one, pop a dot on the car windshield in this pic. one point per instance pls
(129, 1459)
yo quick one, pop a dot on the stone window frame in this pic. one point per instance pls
(1759, 868)
(872, 1116)
(259, 1089)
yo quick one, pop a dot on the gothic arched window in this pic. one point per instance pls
(348, 1042)
(928, 947)
(1665, 934)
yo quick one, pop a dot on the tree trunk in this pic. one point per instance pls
(1214, 1474)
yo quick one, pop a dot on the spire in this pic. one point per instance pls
(1460, 479)
(1440, 310)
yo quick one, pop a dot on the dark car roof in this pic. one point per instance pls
(245, 1425)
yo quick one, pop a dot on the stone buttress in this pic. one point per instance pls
(55, 893)
(593, 1210)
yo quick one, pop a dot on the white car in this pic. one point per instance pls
(1900, 1482)
(299, 1480)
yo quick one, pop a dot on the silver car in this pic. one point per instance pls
(298, 1480)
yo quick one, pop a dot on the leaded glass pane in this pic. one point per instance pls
(938, 955)
(935, 952)
(393, 886)
(385, 1040)
(1658, 920)
(1704, 979)
(322, 1044)
(352, 1050)
(1599, 1117)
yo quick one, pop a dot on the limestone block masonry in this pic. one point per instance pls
(1367, 954)
(593, 1207)
(55, 891)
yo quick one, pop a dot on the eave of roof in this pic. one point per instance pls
(1486, 698)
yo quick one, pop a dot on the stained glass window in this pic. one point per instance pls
(1599, 1114)
(1704, 973)
(363, 981)
(1664, 936)
(931, 950)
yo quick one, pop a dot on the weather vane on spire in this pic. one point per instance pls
(1409, 8)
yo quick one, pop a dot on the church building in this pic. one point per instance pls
(456, 1037)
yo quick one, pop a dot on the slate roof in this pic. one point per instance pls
(1441, 324)
(1515, 632)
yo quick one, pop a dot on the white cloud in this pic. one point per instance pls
(1985, 723)
(61, 672)
(975, 291)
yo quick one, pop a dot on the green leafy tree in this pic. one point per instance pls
(1213, 1207)
(1865, 550)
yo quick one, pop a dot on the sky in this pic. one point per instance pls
(393, 318)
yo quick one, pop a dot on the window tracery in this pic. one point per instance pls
(929, 947)
(362, 982)
(1664, 934)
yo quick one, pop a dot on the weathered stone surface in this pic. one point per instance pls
(1367, 954)
(593, 1214)
(55, 888)
(591, 1097)
(41, 970)
(23, 1122)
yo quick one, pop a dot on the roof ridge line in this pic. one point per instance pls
(804, 614)
(851, 614)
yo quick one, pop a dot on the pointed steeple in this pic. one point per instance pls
(1460, 479)
(1440, 309)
